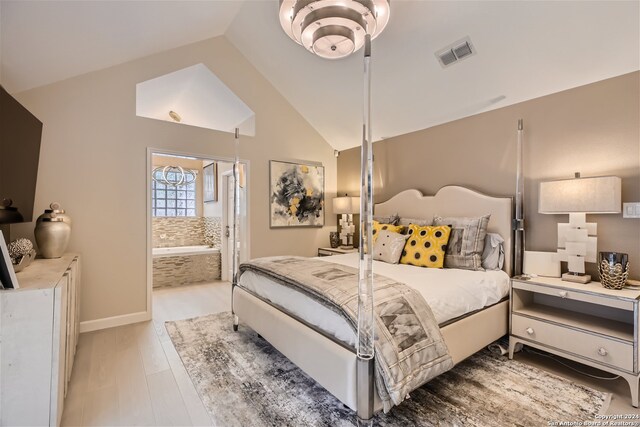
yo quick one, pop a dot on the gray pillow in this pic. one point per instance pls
(389, 219)
(389, 246)
(466, 241)
(493, 253)
(417, 221)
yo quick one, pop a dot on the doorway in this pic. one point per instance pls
(188, 250)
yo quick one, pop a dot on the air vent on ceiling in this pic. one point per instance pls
(455, 52)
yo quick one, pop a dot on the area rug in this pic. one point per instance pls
(244, 381)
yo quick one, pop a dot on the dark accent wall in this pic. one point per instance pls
(592, 129)
(20, 133)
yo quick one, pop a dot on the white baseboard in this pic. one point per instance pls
(110, 322)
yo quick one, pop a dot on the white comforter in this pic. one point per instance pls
(450, 293)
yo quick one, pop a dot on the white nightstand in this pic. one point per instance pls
(335, 251)
(585, 323)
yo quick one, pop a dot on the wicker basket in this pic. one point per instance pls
(613, 277)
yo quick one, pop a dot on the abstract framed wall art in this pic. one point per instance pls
(296, 194)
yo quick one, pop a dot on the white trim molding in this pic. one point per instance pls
(111, 322)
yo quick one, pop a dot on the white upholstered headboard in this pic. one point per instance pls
(456, 201)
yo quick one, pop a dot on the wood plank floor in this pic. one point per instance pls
(132, 375)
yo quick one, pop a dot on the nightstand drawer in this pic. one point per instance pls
(570, 294)
(597, 348)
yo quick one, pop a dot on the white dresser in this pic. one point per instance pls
(582, 322)
(39, 326)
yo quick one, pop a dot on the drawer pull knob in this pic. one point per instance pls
(563, 294)
(529, 331)
(602, 351)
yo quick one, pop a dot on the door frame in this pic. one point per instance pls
(163, 151)
(244, 243)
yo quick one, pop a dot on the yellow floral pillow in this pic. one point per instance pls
(426, 246)
(389, 227)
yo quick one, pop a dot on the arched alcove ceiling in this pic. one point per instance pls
(200, 99)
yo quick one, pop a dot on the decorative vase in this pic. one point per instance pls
(54, 208)
(334, 239)
(613, 268)
(9, 214)
(52, 235)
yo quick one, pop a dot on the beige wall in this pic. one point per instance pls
(593, 129)
(93, 160)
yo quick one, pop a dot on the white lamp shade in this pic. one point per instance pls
(346, 205)
(600, 194)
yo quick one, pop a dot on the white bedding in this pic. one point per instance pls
(450, 293)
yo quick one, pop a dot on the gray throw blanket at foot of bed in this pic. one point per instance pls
(409, 347)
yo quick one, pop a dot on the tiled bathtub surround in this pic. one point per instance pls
(176, 231)
(173, 231)
(213, 231)
(185, 270)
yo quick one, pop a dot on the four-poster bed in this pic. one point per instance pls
(334, 363)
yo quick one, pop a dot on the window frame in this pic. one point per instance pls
(180, 196)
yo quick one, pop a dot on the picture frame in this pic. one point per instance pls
(7, 274)
(296, 194)
(210, 183)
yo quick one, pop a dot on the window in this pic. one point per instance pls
(169, 200)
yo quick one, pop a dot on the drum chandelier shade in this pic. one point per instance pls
(333, 29)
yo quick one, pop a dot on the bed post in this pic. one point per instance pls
(518, 222)
(236, 222)
(365, 362)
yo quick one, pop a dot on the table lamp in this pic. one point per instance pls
(577, 241)
(347, 206)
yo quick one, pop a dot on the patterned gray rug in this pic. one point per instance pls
(243, 381)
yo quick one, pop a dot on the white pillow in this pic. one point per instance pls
(389, 246)
(493, 253)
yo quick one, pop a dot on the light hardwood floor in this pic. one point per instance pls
(132, 375)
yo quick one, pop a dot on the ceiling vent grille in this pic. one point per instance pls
(455, 52)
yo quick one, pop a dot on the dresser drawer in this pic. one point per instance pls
(571, 294)
(600, 349)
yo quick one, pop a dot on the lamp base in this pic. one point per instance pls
(582, 278)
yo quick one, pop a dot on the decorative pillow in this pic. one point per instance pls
(417, 221)
(390, 219)
(466, 243)
(426, 246)
(389, 246)
(377, 227)
(493, 253)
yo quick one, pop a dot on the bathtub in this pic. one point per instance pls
(185, 265)
(184, 251)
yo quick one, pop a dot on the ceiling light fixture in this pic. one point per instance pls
(333, 29)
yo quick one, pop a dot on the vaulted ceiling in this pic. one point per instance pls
(525, 49)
